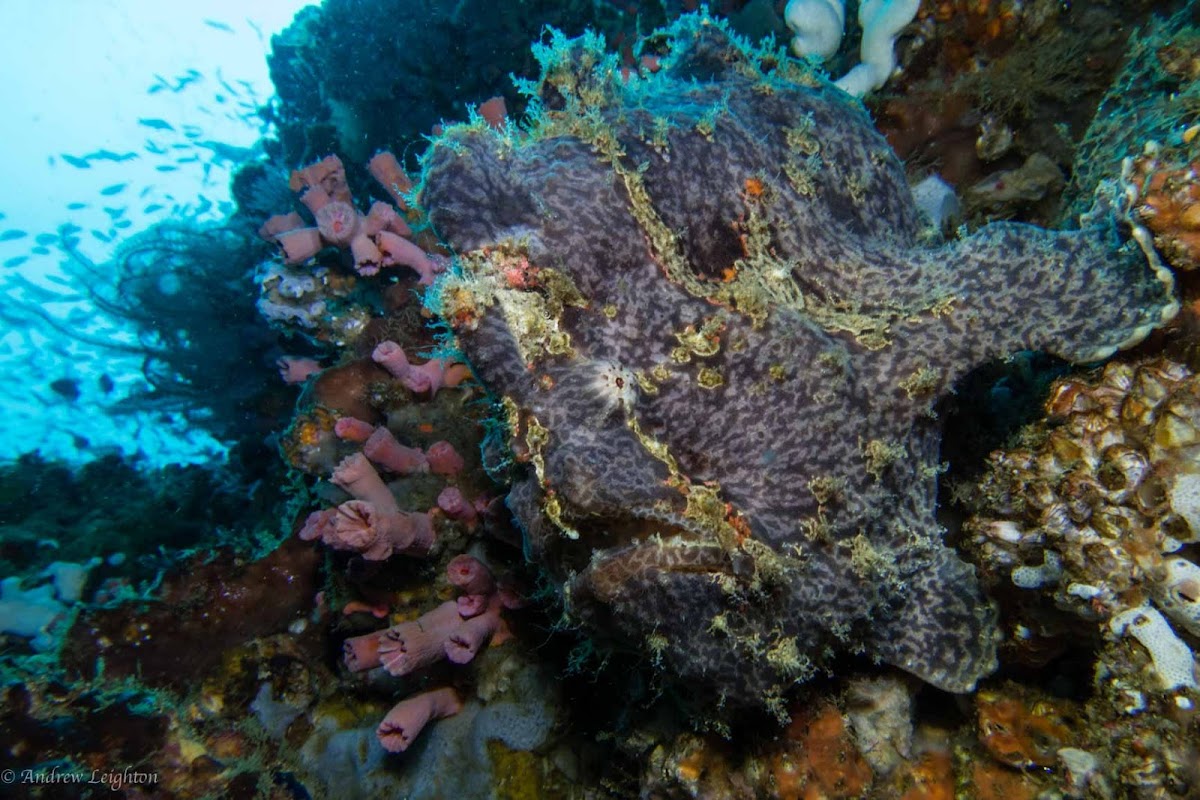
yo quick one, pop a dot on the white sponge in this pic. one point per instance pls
(817, 25)
(1184, 494)
(1173, 661)
(1178, 594)
(881, 21)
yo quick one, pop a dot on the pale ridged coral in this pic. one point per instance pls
(1097, 511)
(1093, 506)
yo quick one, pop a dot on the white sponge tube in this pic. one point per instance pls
(1173, 660)
(882, 21)
(817, 26)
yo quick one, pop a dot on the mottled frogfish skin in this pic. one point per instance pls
(703, 301)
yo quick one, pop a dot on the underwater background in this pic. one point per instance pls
(590, 399)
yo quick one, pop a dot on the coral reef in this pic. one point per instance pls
(1088, 528)
(679, 311)
(369, 426)
(662, 276)
(1096, 505)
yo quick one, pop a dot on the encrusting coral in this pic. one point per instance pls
(1096, 505)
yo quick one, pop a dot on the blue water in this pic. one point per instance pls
(119, 114)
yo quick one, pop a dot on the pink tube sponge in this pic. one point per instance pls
(367, 257)
(351, 429)
(444, 459)
(472, 605)
(405, 649)
(398, 251)
(356, 475)
(419, 536)
(384, 217)
(383, 449)
(456, 507)
(338, 222)
(300, 244)
(319, 525)
(409, 717)
(359, 526)
(386, 170)
(315, 198)
(362, 652)
(328, 174)
(473, 634)
(427, 377)
(392, 357)
(410, 646)
(470, 575)
(280, 223)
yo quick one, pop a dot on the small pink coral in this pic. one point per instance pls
(470, 575)
(297, 369)
(410, 646)
(457, 508)
(383, 449)
(409, 717)
(337, 222)
(444, 459)
(362, 652)
(350, 429)
(376, 610)
(356, 475)
(299, 245)
(319, 525)
(473, 634)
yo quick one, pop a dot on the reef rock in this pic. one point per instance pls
(699, 295)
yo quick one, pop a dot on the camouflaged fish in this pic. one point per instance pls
(703, 297)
